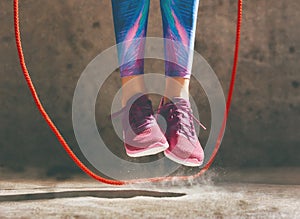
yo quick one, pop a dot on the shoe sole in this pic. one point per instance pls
(186, 162)
(152, 150)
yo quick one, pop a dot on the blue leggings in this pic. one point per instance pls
(179, 19)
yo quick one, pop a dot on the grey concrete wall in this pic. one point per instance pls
(61, 37)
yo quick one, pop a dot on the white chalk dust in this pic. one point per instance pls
(206, 198)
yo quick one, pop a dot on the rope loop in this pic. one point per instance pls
(67, 148)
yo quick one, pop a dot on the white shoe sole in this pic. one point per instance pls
(186, 162)
(151, 151)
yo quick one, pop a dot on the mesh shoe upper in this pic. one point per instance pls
(180, 133)
(141, 133)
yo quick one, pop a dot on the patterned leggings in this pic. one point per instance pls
(179, 19)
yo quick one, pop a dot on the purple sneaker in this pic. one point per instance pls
(141, 133)
(184, 146)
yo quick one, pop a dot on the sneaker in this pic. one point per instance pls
(184, 146)
(141, 133)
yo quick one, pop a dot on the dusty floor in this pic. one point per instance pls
(231, 196)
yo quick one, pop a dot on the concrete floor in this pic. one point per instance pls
(238, 194)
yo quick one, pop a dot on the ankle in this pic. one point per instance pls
(176, 87)
(127, 95)
(131, 86)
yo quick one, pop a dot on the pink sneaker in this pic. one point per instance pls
(141, 133)
(184, 146)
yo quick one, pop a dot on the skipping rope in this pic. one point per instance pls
(67, 148)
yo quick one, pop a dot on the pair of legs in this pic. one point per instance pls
(143, 133)
(179, 24)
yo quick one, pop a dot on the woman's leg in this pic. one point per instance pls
(130, 23)
(179, 26)
(142, 135)
(179, 23)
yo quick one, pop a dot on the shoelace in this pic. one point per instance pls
(139, 115)
(180, 109)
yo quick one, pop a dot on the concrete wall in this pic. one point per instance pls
(61, 37)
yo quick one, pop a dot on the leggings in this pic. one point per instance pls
(179, 19)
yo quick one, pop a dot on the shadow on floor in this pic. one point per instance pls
(96, 193)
